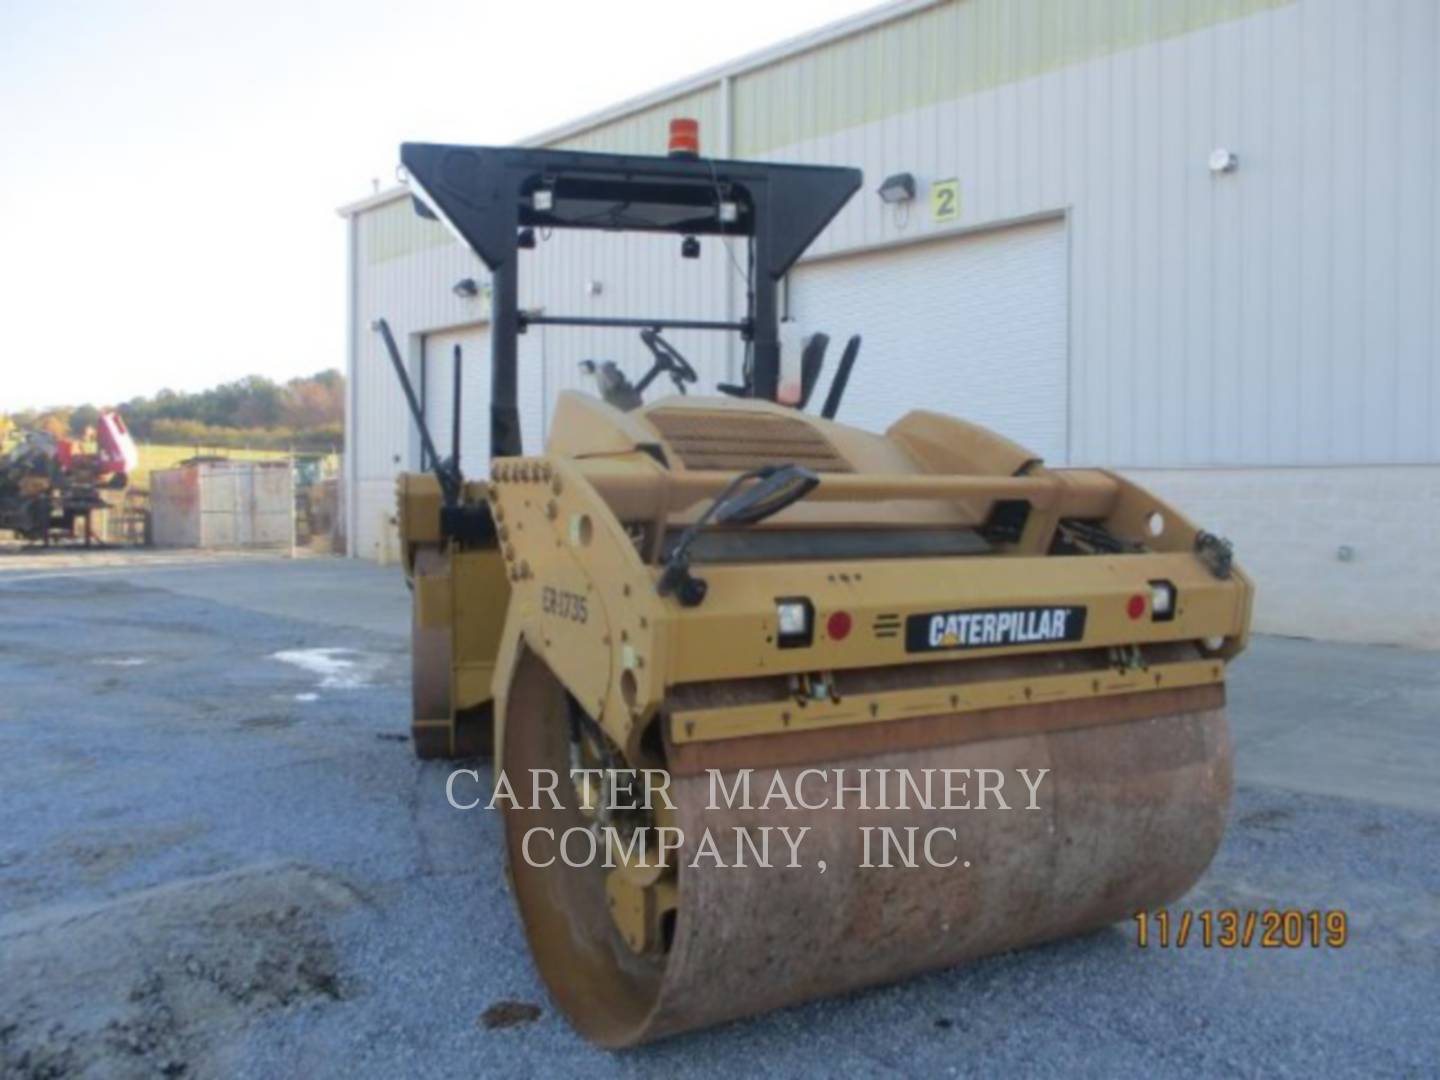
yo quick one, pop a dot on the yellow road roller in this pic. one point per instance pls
(780, 707)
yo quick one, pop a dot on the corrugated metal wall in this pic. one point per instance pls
(947, 51)
(405, 267)
(1279, 315)
(407, 277)
(646, 131)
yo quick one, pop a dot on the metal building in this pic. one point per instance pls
(1196, 239)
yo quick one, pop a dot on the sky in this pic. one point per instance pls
(169, 172)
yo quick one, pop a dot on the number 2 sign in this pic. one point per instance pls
(945, 200)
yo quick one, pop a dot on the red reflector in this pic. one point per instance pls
(838, 625)
(1135, 606)
(684, 137)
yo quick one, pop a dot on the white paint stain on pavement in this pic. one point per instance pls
(338, 669)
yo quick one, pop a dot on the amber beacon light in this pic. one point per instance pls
(684, 137)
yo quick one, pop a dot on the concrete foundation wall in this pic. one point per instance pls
(1344, 554)
(376, 534)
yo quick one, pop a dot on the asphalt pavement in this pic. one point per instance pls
(219, 857)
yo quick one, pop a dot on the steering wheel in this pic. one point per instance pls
(668, 360)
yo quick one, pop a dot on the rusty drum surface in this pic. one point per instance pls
(1128, 817)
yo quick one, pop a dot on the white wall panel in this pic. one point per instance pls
(405, 275)
(1280, 314)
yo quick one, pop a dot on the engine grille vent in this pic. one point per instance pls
(734, 441)
(886, 625)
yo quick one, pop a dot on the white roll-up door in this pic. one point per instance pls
(974, 326)
(474, 342)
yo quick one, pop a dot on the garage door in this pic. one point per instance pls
(474, 342)
(974, 326)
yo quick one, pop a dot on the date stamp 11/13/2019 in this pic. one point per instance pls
(1232, 928)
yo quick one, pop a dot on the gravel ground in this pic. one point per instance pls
(218, 862)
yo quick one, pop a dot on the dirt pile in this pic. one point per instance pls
(160, 981)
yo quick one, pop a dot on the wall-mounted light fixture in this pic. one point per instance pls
(898, 188)
(1223, 160)
(466, 288)
(690, 248)
(544, 199)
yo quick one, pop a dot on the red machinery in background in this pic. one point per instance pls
(49, 484)
(115, 458)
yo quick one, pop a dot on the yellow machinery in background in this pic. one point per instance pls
(727, 590)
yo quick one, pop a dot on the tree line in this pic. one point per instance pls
(306, 413)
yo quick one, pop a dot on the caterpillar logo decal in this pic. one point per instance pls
(988, 628)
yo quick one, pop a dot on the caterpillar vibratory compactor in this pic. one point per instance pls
(970, 702)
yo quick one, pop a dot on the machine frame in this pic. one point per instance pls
(701, 586)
